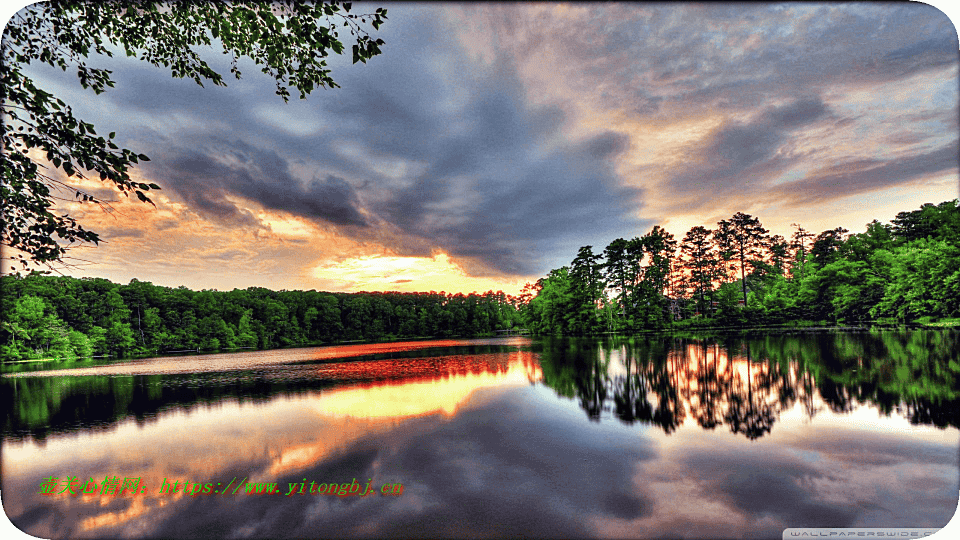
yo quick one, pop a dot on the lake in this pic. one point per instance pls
(639, 437)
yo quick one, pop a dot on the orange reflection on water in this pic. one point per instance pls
(412, 388)
(424, 387)
(710, 382)
(168, 365)
(137, 508)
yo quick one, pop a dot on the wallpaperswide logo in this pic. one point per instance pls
(796, 533)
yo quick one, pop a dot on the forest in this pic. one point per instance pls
(737, 274)
(65, 318)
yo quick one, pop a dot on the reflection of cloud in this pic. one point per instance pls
(378, 406)
(111, 519)
(778, 486)
(519, 462)
(467, 475)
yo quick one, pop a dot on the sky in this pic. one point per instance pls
(488, 142)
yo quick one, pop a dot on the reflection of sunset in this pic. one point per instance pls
(420, 397)
(426, 386)
(261, 359)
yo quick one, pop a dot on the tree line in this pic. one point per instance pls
(65, 318)
(739, 274)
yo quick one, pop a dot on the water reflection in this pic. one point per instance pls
(745, 383)
(640, 437)
(261, 425)
(49, 402)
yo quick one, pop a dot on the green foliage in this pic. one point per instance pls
(924, 280)
(45, 145)
(546, 312)
(141, 318)
(699, 260)
(745, 238)
(586, 289)
(81, 344)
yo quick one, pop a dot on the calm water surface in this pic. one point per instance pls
(622, 437)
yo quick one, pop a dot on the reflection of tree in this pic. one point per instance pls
(747, 383)
(670, 411)
(709, 389)
(751, 415)
(592, 385)
(630, 395)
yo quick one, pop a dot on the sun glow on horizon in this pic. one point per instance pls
(408, 274)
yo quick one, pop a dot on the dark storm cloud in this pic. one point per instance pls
(572, 194)
(499, 180)
(866, 175)
(506, 186)
(205, 178)
(488, 175)
(738, 56)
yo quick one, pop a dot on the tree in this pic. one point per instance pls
(289, 39)
(826, 247)
(616, 270)
(799, 244)
(723, 240)
(779, 252)
(661, 247)
(587, 286)
(546, 312)
(747, 239)
(942, 221)
(698, 251)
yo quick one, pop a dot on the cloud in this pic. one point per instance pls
(740, 157)
(121, 232)
(208, 178)
(451, 155)
(507, 136)
(867, 175)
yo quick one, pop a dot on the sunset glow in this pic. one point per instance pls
(409, 274)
